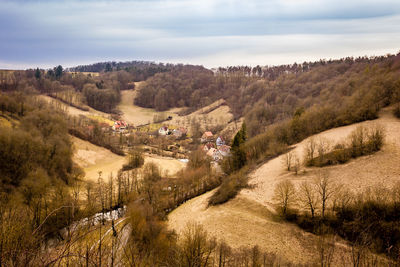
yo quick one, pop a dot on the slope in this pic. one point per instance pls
(250, 219)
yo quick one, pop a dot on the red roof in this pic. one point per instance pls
(208, 134)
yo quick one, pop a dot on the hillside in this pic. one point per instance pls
(250, 219)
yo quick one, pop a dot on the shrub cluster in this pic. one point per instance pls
(362, 141)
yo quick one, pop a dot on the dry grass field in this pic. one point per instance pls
(74, 111)
(134, 114)
(211, 115)
(94, 159)
(250, 219)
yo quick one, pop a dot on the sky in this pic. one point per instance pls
(46, 33)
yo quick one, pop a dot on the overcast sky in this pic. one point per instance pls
(212, 33)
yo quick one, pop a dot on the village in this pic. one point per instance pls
(214, 146)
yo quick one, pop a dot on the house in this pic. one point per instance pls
(208, 146)
(214, 154)
(163, 130)
(220, 141)
(224, 150)
(207, 137)
(119, 126)
(179, 132)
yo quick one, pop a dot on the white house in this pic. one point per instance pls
(220, 141)
(163, 130)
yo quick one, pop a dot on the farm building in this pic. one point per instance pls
(214, 154)
(163, 130)
(119, 126)
(220, 141)
(207, 137)
(208, 146)
(224, 150)
(179, 132)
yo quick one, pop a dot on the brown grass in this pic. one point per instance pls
(250, 218)
(134, 114)
(93, 159)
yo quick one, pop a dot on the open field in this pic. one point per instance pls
(94, 159)
(168, 166)
(134, 114)
(250, 219)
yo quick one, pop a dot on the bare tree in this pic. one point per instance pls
(326, 248)
(288, 160)
(196, 247)
(284, 195)
(311, 147)
(296, 164)
(322, 148)
(309, 197)
(325, 189)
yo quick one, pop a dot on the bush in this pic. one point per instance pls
(363, 141)
(230, 187)
(396, 111)
(136, 160)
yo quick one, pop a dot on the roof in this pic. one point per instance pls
(120, 123)
(208, 146)
(208, 134)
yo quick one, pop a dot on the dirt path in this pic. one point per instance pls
(250, 218)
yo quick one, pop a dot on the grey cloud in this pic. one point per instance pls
(73, 32)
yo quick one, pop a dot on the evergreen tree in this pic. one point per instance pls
(58, 71)
(38, 74)
(238, 152)
(108, 67)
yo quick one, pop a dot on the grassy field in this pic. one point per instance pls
(250, 219)
(134, 114)
(94, 159)
(211, 115)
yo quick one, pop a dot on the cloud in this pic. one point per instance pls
(45, 33)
